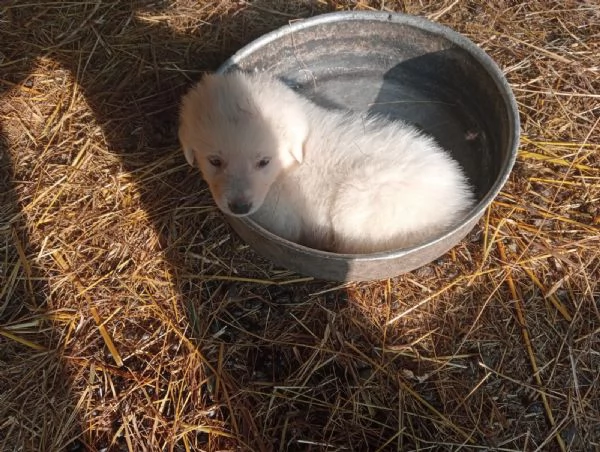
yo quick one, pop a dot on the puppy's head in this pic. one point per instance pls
(242, 131)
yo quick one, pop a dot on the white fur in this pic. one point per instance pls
(338, 181)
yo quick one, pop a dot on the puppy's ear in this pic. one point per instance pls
(297, 151)
(297, 135)
(188, 152)
(189, 156)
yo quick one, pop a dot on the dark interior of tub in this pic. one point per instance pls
(404, 73)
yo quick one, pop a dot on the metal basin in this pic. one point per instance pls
(405, 67)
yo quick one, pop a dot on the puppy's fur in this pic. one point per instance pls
(337, 181)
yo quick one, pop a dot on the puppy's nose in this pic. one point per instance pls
(239, 207)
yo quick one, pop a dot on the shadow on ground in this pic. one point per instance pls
(130, 65)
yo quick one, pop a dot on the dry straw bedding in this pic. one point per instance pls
(132, 318)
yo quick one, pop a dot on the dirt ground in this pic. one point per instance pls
(133, 318)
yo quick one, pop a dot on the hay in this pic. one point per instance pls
(132, 318)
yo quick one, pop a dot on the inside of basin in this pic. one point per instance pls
(402, 72)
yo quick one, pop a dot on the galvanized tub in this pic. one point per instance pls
(405, 67)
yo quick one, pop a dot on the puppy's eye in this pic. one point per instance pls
(215, 161)
(263, 162)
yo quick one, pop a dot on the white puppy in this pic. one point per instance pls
(336, 181)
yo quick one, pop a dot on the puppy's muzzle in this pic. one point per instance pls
(239, 207)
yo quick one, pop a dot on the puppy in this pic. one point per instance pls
(337, 181)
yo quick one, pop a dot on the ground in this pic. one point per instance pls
(133, 318)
